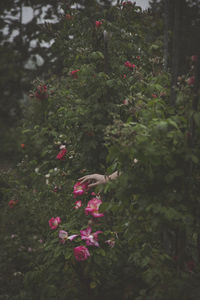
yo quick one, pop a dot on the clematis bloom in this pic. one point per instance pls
(93, 208)
(54, 222)
(90, 238)
(80, 189)
(63, 236)
(81, 253)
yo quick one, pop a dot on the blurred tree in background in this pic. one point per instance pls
(26, 51)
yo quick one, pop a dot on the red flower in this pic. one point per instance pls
(128, 3)
(98, 24)
(81, 253)
(12, 203)
(191, 80)
(74, 73)
(129, 65)
(22, 146)
(41, 92)
(68, 17)
(61, 154)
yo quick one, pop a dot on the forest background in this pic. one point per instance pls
(117, 88)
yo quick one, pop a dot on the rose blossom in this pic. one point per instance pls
(54, 222)
(63, 235)
(12, 203)
(90, 238)
(78, 204)
(81, 253)
(191, 80)
(98, 24)
(93, 208)
(80, 189)
(41, 92)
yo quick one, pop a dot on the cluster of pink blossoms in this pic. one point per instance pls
(41, 92)
(130, 65)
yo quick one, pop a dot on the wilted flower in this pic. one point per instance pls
(90, 238)
(61, 154)
(63, 236)
(54, 222)
(80, 189)
(81, 253)
(93, 208)
(78, 204)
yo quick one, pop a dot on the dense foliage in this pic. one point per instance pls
(108, 109)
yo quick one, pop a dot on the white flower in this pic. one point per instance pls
(36, 170)
(47, 175)
(62, 147)
(135, 160)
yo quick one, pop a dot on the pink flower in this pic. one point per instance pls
(93, 208)
(194, 58)
(54, 222)
(125, 102)
(61, 154)
(111, 243)
(80, 189)
(90, 238)
(129, 65)
(63, 235)
(154, 96)
(128, 3)
(74, 73)
(78, 204)
(41, 92)
(98, 24)
(12, 203)
(191, 80)
(81, 253)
